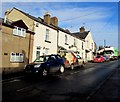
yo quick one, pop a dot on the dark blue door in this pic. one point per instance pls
(54, 64)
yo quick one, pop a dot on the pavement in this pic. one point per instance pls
(109, 90)
(12, 75)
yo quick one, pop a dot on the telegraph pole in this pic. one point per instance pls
(104, 43)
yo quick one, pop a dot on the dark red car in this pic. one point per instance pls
(99, 58)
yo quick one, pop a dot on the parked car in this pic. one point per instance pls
(80, 60)
(45, 65)
(113, 58)
(71, 61)
(99, 58)
(106, 58)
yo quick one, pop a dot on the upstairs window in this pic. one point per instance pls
(87, 44)
(82, 46)
(47, 35)
(19, 31)
(66, 40)
(92, 45)
(75, 43)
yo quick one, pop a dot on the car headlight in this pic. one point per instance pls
(37, 66)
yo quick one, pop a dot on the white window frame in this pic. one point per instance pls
(47, 35)
(38, 49)
(19, 31)
(46, 51)
(82, 46)
(16, 57)
(75, 42)
(92, 45)
(66, 39)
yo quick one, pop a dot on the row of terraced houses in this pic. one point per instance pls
(24, 37)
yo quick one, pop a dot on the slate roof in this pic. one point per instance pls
(51, 25)
(40, 20)
(81, 35)
(18, 23)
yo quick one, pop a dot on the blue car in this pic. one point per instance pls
(45, 65)
(106, 58)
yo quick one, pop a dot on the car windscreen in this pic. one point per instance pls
(108, 52)
(41, 59)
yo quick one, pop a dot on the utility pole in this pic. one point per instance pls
(104, 43)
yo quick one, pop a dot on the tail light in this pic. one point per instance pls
(66, 62)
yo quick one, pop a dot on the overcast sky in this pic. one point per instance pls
(101, 18)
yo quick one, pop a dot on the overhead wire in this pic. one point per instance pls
(74, 18)
(78, 17)
(107, 22)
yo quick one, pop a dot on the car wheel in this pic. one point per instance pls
(62, 69)
(82, 65)
(72, 66)
(44, 72)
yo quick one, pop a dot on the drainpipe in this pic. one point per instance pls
(30, 42)
(29, 48)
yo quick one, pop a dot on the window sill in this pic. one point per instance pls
(74, 46)
(16, 62)
(47, 41)
(19, 36)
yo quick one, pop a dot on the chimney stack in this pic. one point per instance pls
(54, 21)
(6, 14)
(82, 29)
(47, 18)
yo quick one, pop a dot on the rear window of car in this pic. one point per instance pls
(98, 57)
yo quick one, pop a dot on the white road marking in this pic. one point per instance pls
(11, 80)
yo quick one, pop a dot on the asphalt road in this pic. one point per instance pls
(73, 85)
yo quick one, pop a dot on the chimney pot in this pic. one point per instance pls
(82, 29)
(47, 18)
(54, 21)
(6, 14)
